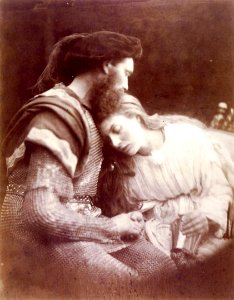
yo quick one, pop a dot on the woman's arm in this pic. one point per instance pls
(215, 195)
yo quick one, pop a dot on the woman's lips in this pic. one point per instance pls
(124, 148)
(127, 149)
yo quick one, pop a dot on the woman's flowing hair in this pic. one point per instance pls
(113, 188)
(131, 107)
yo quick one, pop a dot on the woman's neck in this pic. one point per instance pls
(154, 141)
(156, 138)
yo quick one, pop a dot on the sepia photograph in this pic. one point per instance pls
(117, 149)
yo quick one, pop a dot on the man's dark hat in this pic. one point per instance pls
(104, 45)
(73, 54)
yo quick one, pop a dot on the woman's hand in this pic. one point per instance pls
(130, 225)
(194, 222)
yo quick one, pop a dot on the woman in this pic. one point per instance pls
(166, 167)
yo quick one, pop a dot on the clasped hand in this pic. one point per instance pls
(194, 222)
(130, 225)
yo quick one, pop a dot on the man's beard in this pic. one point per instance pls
(104, 98)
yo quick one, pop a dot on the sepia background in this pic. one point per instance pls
(187, 65)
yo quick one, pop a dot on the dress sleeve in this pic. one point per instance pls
(217, 192)
(47, 184)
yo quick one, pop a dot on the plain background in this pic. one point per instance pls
(187, 65)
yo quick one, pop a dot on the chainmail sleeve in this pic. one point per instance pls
(47, 185)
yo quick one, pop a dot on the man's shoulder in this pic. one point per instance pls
(59, 94)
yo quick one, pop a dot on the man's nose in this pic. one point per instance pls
(125, 85)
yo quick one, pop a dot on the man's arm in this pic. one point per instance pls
(47, 183)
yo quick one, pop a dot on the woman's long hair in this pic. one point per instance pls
(113, 189)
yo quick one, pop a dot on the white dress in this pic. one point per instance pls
(184, 174)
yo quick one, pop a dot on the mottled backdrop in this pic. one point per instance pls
(187, 66)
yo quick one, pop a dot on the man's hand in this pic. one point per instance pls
(130, 224)
(194, 222)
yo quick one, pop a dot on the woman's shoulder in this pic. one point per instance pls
(183, 129)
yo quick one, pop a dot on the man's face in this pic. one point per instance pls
(114, 78)
(120, 73)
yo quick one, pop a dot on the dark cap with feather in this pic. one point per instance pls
(104, 45)
(80, 52)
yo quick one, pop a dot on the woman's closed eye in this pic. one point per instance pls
(116, 128)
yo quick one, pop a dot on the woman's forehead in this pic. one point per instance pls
(116, 118)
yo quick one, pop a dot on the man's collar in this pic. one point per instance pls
(72, 94)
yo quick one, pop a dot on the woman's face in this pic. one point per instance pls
(125, 134)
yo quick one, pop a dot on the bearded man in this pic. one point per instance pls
(57, 236)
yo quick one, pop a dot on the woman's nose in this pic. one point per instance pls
(115, 141)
